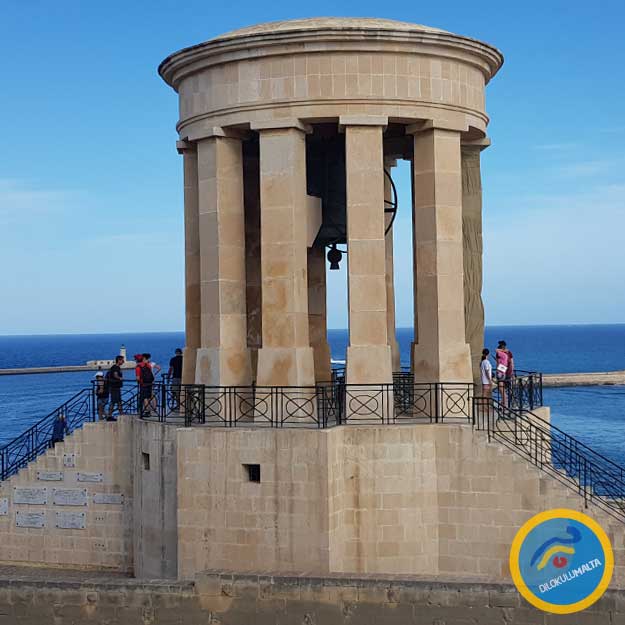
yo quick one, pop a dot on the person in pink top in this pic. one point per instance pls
(503, 371)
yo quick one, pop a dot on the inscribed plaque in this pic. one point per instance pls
(69, 496)
(30, 519)
(108, 498)
(31, 496)
(69, 460)
(4, 506)
(50, 476)
(90, 477)
(71, 520)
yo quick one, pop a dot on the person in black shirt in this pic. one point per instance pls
(175, 376)
(115, 382)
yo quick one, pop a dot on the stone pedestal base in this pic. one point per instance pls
(189, 358)
(217, 366)
(323, 365)
(395, 355)
(285, 366)
(453, 364)
(369, 364)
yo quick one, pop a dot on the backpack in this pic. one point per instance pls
(102, 388)
(147, 377)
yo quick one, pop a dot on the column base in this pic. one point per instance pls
(323, 364)
(369, 364)
(189, 358)
(216, 366)
(285, 366)
(452, 364)
(395, 355)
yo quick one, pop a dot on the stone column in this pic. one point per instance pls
(285, 358)
(191, 261)
(223, 359)
(472, 251)
(251, 195)
(440, 352)
(368, 353)
(317, 314)
(390, 277)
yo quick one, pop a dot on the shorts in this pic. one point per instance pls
(145, 392)
(116, 396)
(176, 381)
(102, 401)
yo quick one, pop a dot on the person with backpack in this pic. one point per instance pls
(101, 394)
(115, 382)
(146, 372)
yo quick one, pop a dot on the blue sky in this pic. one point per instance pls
(91, 233)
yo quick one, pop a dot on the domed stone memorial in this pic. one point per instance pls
(289, 132)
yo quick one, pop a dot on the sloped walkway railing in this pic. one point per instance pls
(594, 477)
(37, 439)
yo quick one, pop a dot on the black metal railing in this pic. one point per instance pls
(37, 439)
(594, 477)
(523, 391)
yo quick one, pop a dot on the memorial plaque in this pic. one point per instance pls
(108, 498)
(4, 506)
(30, 519)
(69, 460)
(32, 496)
(69, 496)
(71, 520)
(90, 477)
(50, 476)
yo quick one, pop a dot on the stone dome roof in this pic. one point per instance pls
(332, 23)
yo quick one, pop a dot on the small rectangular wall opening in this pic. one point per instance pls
(253, 472)
(146, 461)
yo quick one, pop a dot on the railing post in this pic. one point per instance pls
(531, 391)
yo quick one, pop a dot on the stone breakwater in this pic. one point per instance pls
(609, 378)
(33, 596)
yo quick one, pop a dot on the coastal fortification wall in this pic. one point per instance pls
(40, 597)
(73, 505)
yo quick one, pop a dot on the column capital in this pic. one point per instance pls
(362, 120)
(436, 124)
(476, 144)
(217, 131)
(183, 146)
(281, 124)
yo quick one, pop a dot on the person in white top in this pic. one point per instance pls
(486, 370)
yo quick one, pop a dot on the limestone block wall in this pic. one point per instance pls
(227, 521)
(383, 504)
(98, 451)
(155, 467)
(310, 80)
(34, 598)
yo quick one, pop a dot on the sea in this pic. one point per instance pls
(595, 415)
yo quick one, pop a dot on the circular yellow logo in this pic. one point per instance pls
(561, 561)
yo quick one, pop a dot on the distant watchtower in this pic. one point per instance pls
(287, 130)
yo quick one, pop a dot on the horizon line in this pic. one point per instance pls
(494, 325)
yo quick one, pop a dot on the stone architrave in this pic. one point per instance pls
(440, 353)
(191, 261)
(390, 277)
(286, 357)
(368, 353)
(223, 358)
(317, 313)
(472, 251)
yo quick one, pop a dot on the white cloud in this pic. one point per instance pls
(21, 201)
